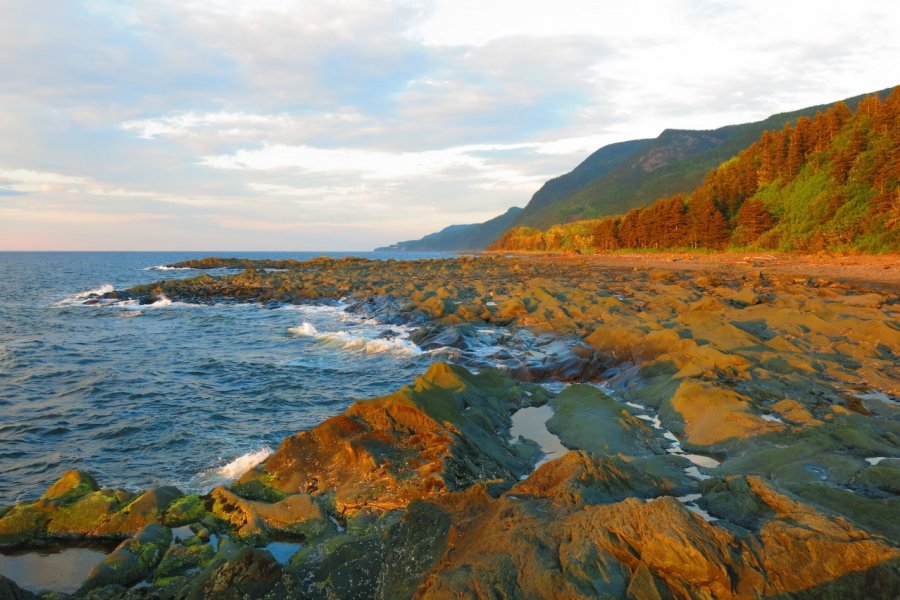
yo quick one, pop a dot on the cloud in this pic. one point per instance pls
(190, 123)
(378, 120)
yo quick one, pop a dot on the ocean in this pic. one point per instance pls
(172, 393)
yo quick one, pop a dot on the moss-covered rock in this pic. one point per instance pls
(133, 560)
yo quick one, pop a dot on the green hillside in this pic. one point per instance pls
(675, 162)
(830, 182)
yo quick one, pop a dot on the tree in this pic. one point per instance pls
(706, 224)
(753, 220)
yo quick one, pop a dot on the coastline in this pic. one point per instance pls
(730, 400)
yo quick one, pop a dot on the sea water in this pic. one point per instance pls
(172, 393)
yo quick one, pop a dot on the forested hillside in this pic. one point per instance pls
(829, 181)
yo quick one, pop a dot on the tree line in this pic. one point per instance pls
(826, 181)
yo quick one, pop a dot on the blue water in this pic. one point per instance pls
(143, 396)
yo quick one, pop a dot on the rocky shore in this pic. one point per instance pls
(731, 432)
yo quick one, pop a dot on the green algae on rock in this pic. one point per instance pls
(787, 381)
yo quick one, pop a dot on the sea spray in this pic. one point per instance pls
(244, 463)
(398, 344)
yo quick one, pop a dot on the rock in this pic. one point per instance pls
(580, 478)
(712, 414)
(296, 514)
(180, 558)
(133, 560)
(76, 508)
(438, 433)
(71, 486)
(522, 547)
(240, 573)
(587, 419)
(147, 508)
(10, 591)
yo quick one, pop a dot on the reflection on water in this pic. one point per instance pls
(56, 569)
(531, 424)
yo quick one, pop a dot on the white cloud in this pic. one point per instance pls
(26, 180)
(188, 123)
(271, 115)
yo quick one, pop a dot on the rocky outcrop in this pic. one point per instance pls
(744, 445)
(133, 560)
(76, 508)
(617, 516)
(439, 433)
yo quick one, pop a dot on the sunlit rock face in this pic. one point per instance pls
(730, 434)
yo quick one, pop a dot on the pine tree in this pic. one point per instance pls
(753, 220)
(706, 224)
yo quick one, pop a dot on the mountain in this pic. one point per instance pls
(638, 172)
(475, 236)
(827, 182)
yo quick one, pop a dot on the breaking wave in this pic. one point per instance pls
(244, 463)
(167, 268)
(397, 344)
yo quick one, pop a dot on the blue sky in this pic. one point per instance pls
(341, 125)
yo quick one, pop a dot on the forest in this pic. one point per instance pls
(830, 182)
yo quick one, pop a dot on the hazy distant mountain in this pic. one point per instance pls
(475, 236)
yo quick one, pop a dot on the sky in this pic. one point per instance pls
(346, 125)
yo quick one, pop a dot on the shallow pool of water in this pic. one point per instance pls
(531, 424)
(58, 569)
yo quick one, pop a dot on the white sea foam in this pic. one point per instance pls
(352, 342)
(702, 513)
(654, 420)
(244, 463)
(702, 461)
(103, 289)
(167, 268)
(307, 329)
(689, 498)
(160, 302)
(80, 297)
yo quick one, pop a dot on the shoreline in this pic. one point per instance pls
(738, 400)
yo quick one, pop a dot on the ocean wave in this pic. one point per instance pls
(160, 302)
(244, 463)
(103, 289)
(398, 345)
(209, 478)
(167, 268)
(80, 297)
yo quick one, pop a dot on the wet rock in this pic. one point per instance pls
(133, 560)
(10, 591)
(579, 478)
(297, 514)
(147, 508)
(587, 419)
(239, 572)
(438, 433)
(75, 508)
(179, 559)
